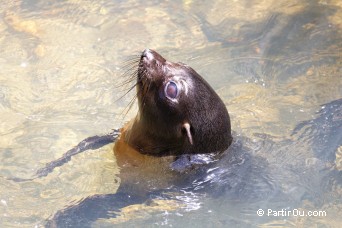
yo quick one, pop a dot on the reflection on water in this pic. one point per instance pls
(275, 63)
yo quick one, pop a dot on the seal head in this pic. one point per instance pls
(179, 113)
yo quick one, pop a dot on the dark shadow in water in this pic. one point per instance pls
(92, 209)
(325, 132)
(288, 45)
(90, 143)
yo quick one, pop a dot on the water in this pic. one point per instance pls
(274, 63)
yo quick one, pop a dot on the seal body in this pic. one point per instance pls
(179, 112)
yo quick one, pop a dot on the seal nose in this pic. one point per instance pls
(147, 53)
(151, 56)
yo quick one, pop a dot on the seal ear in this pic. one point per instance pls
(187, 127)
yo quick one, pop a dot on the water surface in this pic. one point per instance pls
(274, 63)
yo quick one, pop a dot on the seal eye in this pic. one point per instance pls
(171, 90)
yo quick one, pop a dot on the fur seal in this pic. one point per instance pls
(181, 122)
(179, 112)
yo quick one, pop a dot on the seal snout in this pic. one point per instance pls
(150, 55)
(147, 54)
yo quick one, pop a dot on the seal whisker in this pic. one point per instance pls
(129, 106)
(131, 74)
(129, 90)
(132, 59)
(129, 69)
(130, 62)
(130, 66)
(130, 79)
